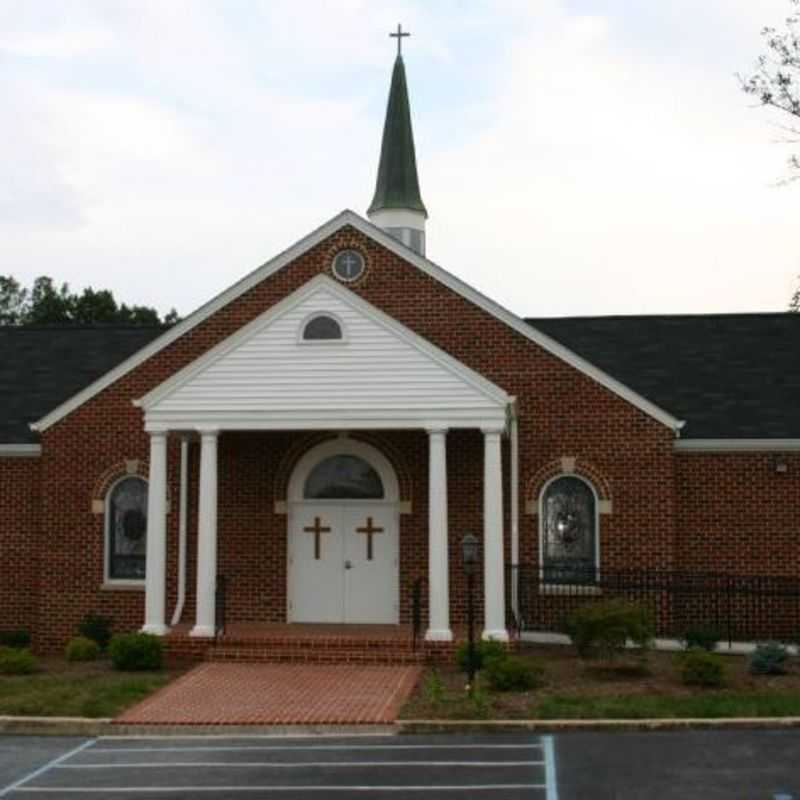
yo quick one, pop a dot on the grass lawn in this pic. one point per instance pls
(582, 689)
(62, 689)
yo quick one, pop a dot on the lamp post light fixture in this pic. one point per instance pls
(470, 560)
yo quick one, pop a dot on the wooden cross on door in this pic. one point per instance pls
(369, 530)
(317, 529)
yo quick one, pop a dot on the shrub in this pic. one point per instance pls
(485, 652)
(768, 659)
(97, 628)
(81, 649)
(604, 628)
(513, 674)
(135, 651)
(14, 661)
(701, 668)
(15, 638)
(434, 689)
(702, 637)
(479, 701)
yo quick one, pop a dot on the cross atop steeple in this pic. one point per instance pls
(399, 35)
(396, 205)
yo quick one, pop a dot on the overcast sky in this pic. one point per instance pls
(577, 157)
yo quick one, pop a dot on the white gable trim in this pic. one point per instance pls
(20, 450)
(737, 445)
(340, 220)
(494, 405)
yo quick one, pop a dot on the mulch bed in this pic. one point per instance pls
(568, 675)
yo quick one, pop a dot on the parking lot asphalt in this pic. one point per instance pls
(711, 764)
(758, 764)
(425, 767)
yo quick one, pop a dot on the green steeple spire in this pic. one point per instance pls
(397, 185)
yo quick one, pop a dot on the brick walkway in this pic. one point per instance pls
(278, 694)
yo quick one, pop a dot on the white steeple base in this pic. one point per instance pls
(403, 224)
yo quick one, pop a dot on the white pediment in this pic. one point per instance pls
(381, 374)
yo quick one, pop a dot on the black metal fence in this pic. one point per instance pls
(740, 607)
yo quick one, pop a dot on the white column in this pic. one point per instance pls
(207, 537)
(183, 511)
(493, 568)
(438, 579)
(156, 559)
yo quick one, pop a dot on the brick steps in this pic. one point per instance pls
(325, 650)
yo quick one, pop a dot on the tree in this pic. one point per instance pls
(776, 83)
(776, 78)
(12, 300)
(45, 304)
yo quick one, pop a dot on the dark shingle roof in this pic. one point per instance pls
(42, 366)
(728, 375)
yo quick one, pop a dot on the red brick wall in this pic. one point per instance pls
(562, 413)
(19, 541)
(737, 514)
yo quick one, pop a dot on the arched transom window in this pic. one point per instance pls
(126, 529)
(322, 328)
(343, 477)
(569, 531)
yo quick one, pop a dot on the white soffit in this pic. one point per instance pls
(263, 375)
(20, 450)
(342, 219)
(737, 445)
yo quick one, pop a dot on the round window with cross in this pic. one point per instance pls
(348, 265)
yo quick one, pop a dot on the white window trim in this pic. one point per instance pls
(361, 271)
(344, 447)
(321, 342)
(552, 588)
(108, 581)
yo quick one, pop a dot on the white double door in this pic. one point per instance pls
(343, 563)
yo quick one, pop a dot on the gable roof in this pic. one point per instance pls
(730, 375)
(352, 219)
(265, 376)
(44, 365)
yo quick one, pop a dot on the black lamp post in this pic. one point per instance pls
(469, 560)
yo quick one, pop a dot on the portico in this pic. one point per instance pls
(375, 376)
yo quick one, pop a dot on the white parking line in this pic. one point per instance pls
(550, 768)
(295, 748)
(16, 787)
(543, 746)
(492, 787)
(298, 764)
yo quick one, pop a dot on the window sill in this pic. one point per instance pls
(570, 589)
(122, 586)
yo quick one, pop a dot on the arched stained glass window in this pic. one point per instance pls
(126, 523)
(343, 477)
(321, 328)
(569, 532)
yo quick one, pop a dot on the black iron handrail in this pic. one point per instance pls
(220, 610)
(416, 611)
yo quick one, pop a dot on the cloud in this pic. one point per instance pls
(574, 159)
(55, 44)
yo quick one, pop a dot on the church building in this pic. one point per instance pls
(312, 446)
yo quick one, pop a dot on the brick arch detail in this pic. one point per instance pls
(582, 468)
(306, 443)
(128, 468)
